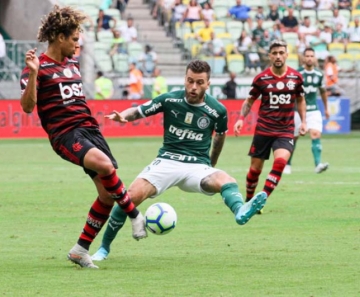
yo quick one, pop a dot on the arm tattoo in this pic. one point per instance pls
(217, 145)
(246, 107)
(131, 114)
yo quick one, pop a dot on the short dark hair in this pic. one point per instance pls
(308, 49)
(198, 66)
(277, 43)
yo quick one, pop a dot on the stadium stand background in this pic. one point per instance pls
(175, 45)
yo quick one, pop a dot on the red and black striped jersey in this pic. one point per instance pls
(61, 104)
(278, 97)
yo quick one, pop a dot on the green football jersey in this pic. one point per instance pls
(188, 128)
(313, 80)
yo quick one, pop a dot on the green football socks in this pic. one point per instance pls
(116, 222)
(316, 149)
(231, 196)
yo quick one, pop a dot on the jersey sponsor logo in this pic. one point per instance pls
(189, 117)
(279, 99)
(203, 122)
(175, 113)
(290, 85)
(186, 134)
(270, 86)
(310, 89)
(292, 76)
(266, 77)
(55, 76)
(67, 72)
(173, 100)
(68, 91)
(153, 108)
(179, 157)
(46, 64)
(280, 85)
(212, 111)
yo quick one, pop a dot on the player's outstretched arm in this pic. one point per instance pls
(301, 105)
(128, 115)
(245, 109)
(217, 145)
(29, 97)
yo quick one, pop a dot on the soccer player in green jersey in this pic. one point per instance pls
(313, 81)
(190, 118)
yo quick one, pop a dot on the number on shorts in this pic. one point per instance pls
(156, 162)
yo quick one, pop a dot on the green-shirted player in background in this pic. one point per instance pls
(190, 118)
(313, 81)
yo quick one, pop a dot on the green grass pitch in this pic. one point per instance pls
(307, 242)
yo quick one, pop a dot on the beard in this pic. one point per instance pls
(278, 65)
(194, 99)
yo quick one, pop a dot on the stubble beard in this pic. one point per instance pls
(278, 66)
(194, 100)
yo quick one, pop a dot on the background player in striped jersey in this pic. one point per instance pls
(190, 119)
(313, 81)
(279, 86)
(52, 82)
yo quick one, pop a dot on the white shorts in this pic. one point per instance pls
(313, 121)
(164, 174)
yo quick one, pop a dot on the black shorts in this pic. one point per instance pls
(75, 144)
(262, 145)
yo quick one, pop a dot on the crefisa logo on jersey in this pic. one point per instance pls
(203, 122)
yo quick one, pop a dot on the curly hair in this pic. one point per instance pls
(198, 66)
(60, 20)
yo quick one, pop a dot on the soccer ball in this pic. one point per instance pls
(160, 218)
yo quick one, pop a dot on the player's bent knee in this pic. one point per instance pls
(221, 177)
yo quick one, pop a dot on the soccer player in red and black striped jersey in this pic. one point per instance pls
(52, 83)
(279, 86)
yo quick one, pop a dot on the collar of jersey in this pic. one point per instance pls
(199, 104)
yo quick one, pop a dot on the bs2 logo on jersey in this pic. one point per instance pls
(69, 91)
(279, 99)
